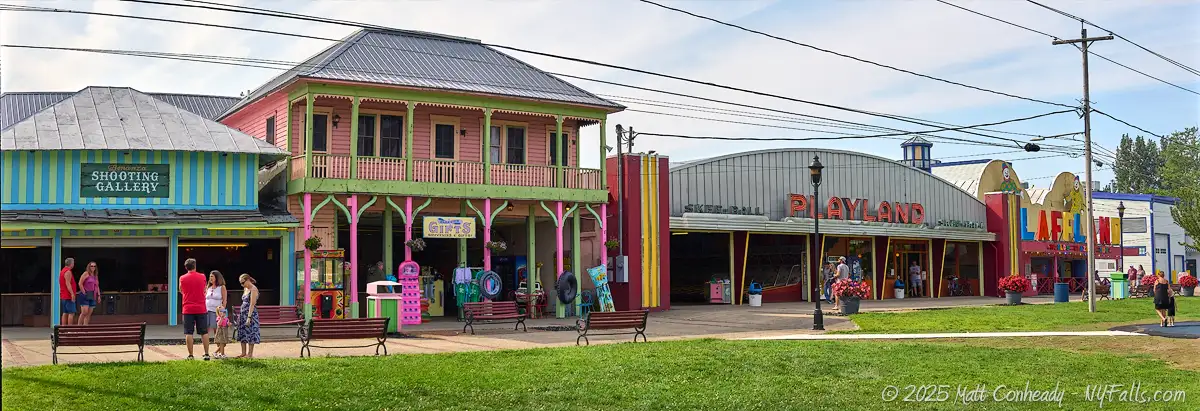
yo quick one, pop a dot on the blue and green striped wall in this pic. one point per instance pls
(198, 180)
(189, 232)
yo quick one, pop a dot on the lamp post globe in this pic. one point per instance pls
(814, 170)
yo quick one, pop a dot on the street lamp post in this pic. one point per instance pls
(1121, 220)
(814, 170)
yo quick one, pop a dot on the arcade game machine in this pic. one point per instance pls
(328, 274)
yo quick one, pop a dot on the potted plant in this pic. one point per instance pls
(496, 246)
(1187, 285)
(416, 244)
(313, 243)
(612, 243)
(1148, 282)
(850, 293)
(1014, 286)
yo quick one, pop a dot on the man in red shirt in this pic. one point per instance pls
(67, 291)
(195, 314)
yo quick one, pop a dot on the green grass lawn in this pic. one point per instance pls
(702, 374)
(1073, 316)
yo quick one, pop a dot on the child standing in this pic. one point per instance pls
(222, 332)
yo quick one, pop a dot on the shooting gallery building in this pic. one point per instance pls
(136, 183)
(749, 217)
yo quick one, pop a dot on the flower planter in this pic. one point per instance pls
(1013, 298)
(1188, 292)
(848, 306)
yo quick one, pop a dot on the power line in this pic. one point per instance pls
(271, 13)
(790, 41)
(1125, 123)
(1085, 21)
(1053, 37)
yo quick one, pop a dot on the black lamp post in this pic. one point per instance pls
(814, 171)
(1121, 219)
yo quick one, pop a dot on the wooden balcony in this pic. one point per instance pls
(324, 168)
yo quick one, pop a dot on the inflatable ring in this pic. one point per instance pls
(566, 286)
(490, 285)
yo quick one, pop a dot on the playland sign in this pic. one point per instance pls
(861, 209)
(449, 227)
(125, 180)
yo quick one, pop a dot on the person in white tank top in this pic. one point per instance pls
(214, 297)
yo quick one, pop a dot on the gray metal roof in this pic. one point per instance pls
(121, 118)
(15, 107)
(425, 60)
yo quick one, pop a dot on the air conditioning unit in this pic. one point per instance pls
(618, 269)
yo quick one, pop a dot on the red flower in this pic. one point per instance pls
(847, 288)
(1187, 281)
(1015, 284)
(1149, 280)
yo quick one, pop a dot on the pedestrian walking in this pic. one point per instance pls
(247, 325)
(89, 293)
(195, 318)
(66, 292)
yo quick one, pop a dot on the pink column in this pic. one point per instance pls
(558, 239)
(603, 233)
(408, 227)
(307, 253)
(487, 234)
(354, 252)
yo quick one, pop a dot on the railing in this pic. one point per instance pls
(381, 168)
(297, 167)
(447, 171)
(330, 166)
(584, 178)
(523, 175)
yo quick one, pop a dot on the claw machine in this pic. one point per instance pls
(328, 273)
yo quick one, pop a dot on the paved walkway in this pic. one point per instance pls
(1186, 329)
(948, 335)
(31, 346)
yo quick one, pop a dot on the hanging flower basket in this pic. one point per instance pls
(416, 244)
(496, 246)
(612, 243)
(313, 243)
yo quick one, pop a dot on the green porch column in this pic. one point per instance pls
(408, 142)
(354, 138)
(561, 155)
(387, 240)
(487, 146)
(603, 157)
(531, 258)
(287, 270)
(462, 242)
(576, 263)
(308, 133)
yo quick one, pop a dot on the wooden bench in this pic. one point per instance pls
(1139, 291)
(493, 312)
(344, 329)
(277, 316)
(98, 335)
(635, 321)
(1103, 292)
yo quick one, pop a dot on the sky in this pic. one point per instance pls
(920, 35)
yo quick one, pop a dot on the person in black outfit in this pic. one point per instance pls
(1162, 297)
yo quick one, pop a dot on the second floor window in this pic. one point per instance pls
(496, 144)
(320, 134)
(515, 139)
(391, 136)
(271, 130)
(366, 135)
(443, 140)
(556, 147)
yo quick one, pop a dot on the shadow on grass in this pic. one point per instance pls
(66, 390)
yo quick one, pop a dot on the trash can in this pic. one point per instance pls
(755, 292)
(1120, 286)
(1062, 294)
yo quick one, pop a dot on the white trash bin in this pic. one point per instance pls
(899, 293)
(756, 300)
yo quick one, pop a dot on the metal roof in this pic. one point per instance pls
(964, 175)
(15, 107)
(121, 118)
(424, 60)
(142, 216)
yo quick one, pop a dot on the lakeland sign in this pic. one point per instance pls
(861, 209)
(125, 180)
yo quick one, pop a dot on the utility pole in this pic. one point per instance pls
(1084, 41)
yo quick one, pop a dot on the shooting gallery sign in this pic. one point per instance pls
(861, 209)
(125, 180)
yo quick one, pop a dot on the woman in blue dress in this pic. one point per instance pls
(247, 325)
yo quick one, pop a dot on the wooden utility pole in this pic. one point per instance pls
(1084, 41)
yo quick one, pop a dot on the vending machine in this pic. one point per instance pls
(327, 275)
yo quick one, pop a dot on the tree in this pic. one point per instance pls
(1137, 167)
(1123, 168)
(1180, 178)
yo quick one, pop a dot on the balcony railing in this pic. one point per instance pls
(338, 166)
